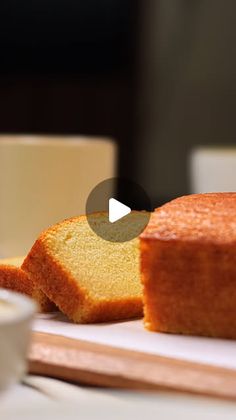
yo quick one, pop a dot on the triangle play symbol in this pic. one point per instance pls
(117, 210)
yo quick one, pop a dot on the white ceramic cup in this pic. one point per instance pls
(15, 330)
(212, 169)
(44, 180)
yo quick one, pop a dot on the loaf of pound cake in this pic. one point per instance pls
(188, 266)
(12, 277)
(89, 278)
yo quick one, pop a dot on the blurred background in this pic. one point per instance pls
(158, 76)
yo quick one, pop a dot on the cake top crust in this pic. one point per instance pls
(207, 217)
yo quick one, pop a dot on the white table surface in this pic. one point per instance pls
(44, 398)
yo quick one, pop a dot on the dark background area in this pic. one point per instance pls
(159, 76)
(69, 67)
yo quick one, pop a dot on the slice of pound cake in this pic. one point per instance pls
(90, 279)
(14, 278)
(188, 265)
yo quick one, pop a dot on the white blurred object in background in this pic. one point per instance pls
(212, 169)
(45, 179)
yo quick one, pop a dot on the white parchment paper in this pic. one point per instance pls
(131, 335)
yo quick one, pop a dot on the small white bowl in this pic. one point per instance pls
(16, 314)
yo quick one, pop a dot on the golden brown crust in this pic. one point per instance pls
(52, 279)
(13, 278)
(188, 272)
(206, 217)
(61, 287)
(45, 304)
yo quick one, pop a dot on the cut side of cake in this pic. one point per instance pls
(12, 277)
(188, 266)
(90, 279)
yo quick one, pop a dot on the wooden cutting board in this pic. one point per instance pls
(101, 365)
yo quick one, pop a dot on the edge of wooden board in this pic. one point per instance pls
(95, 364)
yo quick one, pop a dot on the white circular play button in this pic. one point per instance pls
(118, 210)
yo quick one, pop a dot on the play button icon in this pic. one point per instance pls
(117, 210)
